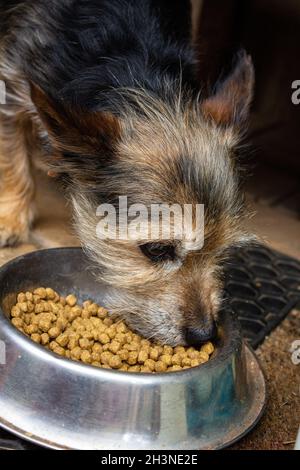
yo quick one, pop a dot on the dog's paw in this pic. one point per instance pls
(15, 226)
(13, 232)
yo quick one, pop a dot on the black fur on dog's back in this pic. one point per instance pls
(79, 50)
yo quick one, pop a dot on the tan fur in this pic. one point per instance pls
(17, 188)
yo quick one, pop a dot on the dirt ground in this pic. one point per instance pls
(278, 428)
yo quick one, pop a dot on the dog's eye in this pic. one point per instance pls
(158, 252)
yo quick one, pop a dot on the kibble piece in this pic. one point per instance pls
(46, 306)
(115, 346)
(166, 359)
(137, 339)
(62, 339)
(53, 345)
(29, 296)
(179, 350)
(38, 308)
(36, 299)
(107, 321)
(41, 292)
(176, 359)
(154, 353)
(115, 362)
(36, 337)
(111, 331)
(93, 309)
(21, 297)
(76, 311)
(145, 369)
(128, 337)
(15, 312)
(132, 358)
(150, 364)
(84, 343)
(30, 329)
(35, 320)
(96, 356)
(45, 338)
(45, 325)
(73, 342)
(207, 348)
(85, 313)
(203, 356)
(96, 363)
(59, 350)
(61, 323)
(104, 338)
(54, 332)
(76, 352)
(132, 346)
(193, 354)
(174, 368)
(134, 369)
(86, 356)
(50, 293)
(120, 337)
(195, 362)
(143, 356)
(23, 306)
(102, 313)
(27, 319)
(186, 362)
(168, 350)
(160, 366)
(121, 327)
(17, 322)
(97, 348)
(71, 300)
(105, 357)
(123, 354)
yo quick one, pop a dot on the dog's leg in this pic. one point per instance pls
(16, 182)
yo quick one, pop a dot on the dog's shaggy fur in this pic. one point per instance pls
(107, 92)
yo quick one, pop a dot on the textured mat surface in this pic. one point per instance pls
(262, 286)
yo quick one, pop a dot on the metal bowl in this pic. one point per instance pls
(63, 404)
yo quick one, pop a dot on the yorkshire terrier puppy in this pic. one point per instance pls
(108, 94)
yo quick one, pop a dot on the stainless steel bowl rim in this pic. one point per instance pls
(218, 355)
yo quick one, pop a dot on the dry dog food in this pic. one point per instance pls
(86, 333)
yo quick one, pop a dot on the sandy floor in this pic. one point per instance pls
(278, 428)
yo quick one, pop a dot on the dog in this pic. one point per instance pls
(108, 95)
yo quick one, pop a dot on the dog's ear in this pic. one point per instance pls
(74, 130)
(229, 105)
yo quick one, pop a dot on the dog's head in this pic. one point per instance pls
(171, 150)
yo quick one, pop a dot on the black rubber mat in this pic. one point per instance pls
(262, 286)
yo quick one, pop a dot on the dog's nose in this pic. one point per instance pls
(197, 336)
